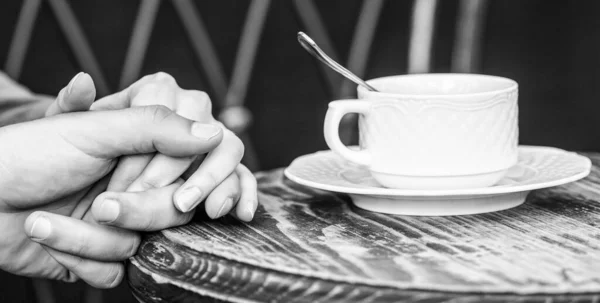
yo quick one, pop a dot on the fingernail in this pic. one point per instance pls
(188, 198)
(40, 229)
(72, 82)
(109, 211)
(205, 131)
(250, 212)
(224, 207)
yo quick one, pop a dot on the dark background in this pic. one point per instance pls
(551, 48)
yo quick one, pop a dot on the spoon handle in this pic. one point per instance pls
(314, 50)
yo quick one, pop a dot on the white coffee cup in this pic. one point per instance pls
(432, 131)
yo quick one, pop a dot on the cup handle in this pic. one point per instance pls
(335, 113)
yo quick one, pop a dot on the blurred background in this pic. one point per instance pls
(549, 47)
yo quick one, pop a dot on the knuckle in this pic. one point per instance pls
(123, 182)
(153, 92)
(235, 195)
(198, 95)
(144, 79)
(82, 245)
(150, 184)
(211, 179)
(149, 223)
(145, 93)
(76, 264)
(157, 113)
(200, 98)
(163, 77)
(149, 88)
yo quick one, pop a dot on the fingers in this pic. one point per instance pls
(128, 169)
(160, 89)
(81, 238)
(163, 170)
(144, 211)
(155, 93)
(194, 105)
(193, 167)
(87, 199)
(97, 274)
(224, 197)
(151, 94)
(137, 130)
(77, 96)
(125, 98)
(248, 202)
(219, 164)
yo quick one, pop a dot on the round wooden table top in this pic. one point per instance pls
(312, 246)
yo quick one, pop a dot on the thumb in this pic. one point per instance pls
(138, 130)
(78, 95)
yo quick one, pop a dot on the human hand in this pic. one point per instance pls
(77, 96)
(52, 169)
(218, 178)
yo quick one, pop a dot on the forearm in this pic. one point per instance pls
(18, 104)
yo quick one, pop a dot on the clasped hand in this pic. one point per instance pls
(78, 185)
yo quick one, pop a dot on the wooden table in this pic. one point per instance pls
(313, 246)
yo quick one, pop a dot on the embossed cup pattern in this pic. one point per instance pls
(432, 130)
(441, 137)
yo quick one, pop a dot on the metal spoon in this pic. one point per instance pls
(314, 50)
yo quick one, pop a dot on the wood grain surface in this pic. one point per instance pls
(314, 246)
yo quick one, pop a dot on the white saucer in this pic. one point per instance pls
(537, 167)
